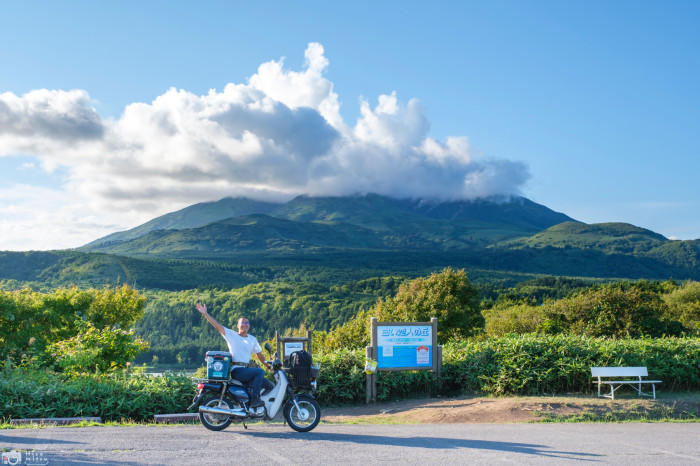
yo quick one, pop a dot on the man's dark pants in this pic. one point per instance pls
(252, 377)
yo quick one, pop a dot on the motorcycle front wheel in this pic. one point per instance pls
(306, 417)
(215, 422)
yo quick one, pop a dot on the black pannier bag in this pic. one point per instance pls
(300, 369)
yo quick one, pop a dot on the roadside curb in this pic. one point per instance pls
(177, 417)
(58, 421)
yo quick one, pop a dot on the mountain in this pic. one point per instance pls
(243, 234)
(237, 241)
(192, 216)
(396, 223)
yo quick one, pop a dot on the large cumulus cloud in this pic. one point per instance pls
(278, 135)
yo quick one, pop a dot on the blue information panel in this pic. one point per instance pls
(404, 346)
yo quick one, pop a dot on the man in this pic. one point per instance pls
(241, 346)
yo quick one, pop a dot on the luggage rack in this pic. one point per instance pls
(204, 380)
(302, 376)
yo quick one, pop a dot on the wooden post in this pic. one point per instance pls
(308, 336)
(371, 353)
(436, 370)
(277, 342)
(368, 377)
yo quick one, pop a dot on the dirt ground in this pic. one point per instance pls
(519, 409)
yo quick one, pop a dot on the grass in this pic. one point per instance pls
(669, 407)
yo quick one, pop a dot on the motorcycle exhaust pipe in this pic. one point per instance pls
(238, 412)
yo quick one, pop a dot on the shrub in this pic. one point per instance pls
(96, 350)
(121, 395)
(518, 365)
(684, 306)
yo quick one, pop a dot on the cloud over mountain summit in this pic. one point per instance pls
(276, 136)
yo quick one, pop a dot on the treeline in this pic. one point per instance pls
(624, 310)
(619, 310)
(338, 313)
(178, 334)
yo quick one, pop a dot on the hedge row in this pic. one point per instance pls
(518, 365)
(521, 365)
(113, 397)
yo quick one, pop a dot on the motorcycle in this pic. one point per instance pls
(221, 402)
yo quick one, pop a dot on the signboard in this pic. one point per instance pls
(407, 345)
(292, 346)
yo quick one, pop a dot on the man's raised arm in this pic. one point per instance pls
(202, 308)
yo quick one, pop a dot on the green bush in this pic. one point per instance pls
(517, 365)
(510, 365)
(684, 305)
(96, 349)
(622, 310)
(31, 321)
(115, 396)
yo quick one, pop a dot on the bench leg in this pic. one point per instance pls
(653, 390)
(612, 391)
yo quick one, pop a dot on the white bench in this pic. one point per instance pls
(619, 372)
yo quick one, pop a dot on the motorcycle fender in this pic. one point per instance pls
(208, 388)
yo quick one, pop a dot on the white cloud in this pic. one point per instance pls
(278, 135)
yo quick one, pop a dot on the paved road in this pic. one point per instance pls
(364, 444)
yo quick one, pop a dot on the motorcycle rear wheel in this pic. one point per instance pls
(215, 422)
(305, 418)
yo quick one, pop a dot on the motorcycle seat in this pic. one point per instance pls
(236, 382)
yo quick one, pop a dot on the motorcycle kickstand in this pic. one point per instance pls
(245, 426)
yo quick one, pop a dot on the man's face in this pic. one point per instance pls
(243, 325)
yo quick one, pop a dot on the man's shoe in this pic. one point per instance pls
(256, 404)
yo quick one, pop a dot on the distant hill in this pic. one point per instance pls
(615, 240)
(610, 238)
(397, 223)
(238, 241)
(192, 216)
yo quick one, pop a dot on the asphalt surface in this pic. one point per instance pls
(663, 443)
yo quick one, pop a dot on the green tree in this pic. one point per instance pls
(96, 349)
(448, 295)
(32, 321)
(618, 309)
(684, 305)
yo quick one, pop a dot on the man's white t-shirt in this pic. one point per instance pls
(241, 347)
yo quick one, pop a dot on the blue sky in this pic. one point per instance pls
(600, 101)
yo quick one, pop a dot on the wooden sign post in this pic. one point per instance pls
(402, 346)
(292, 344)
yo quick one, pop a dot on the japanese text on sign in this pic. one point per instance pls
(404, 345)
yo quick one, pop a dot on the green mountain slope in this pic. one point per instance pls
(609, 238)
(243, 234)
(397, 223)
(192, 216)
(333, 239)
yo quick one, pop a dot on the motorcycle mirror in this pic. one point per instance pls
(268, 348)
